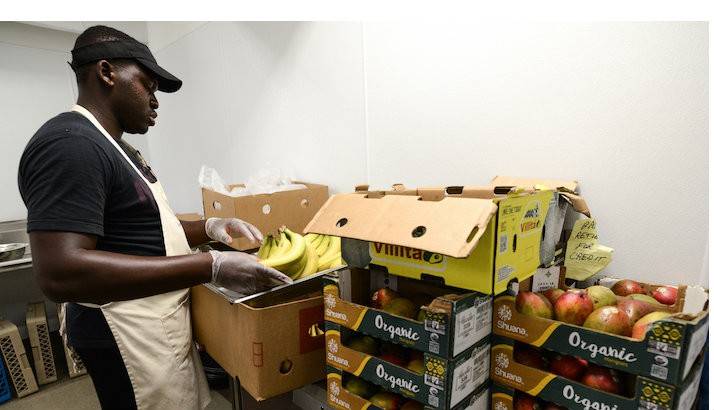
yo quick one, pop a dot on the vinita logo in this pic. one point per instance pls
(408, 253)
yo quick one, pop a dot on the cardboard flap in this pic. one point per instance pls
(554, 184)
(569, 189)
(578, 203)
(450, 226)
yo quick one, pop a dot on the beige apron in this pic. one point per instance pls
(154, 333)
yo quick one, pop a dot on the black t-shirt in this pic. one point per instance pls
(72, 179)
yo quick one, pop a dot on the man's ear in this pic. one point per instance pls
(106, 73)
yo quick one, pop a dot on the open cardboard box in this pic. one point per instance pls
(444, 383)
(450, 325)
(268, 212)
(270, 341)
(639, 392)
(340, 398)
(564, 209)
(476, 238)
(667, 353)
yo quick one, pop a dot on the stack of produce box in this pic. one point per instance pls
(618, 344)
(412, 329)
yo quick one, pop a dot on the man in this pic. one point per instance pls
(105, 240)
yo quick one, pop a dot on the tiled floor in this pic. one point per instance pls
(78, 394)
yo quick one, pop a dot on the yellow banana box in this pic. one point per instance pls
(597, 388)
(475, 238)
(441, 321)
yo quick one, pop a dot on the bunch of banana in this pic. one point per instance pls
(328, 249)
(300, 256)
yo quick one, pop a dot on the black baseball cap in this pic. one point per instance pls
(129, 49)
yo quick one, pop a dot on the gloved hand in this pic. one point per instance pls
(242, 273)
(222, 230)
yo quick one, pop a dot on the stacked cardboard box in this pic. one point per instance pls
(469, 241)
(660, 371)
(448, 346)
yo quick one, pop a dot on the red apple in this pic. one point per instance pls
(553, 294)
(534, 304)
(602, 379)
(573, 307)
(665, 294)
(382, 297)
(610, 319)
(568, 366)
(639, 330)
(635, 309)
(529, 356)
(525, 402)
(626, 287)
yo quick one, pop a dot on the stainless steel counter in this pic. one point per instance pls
(15, 232)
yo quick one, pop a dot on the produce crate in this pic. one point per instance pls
(450, 326)
(268, 212)
(668, 351)
(16, 361)
(74, 364)
(443, 384)
(338, 397)
(40, 342)
(475, 238)
(5, 393)
(640, 392)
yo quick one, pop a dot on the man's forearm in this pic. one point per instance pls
(195, 232)
(69, 269)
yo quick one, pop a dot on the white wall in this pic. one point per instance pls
(36, 84)
(620, 107)
(257, 95)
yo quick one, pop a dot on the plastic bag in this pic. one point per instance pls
(265, 181)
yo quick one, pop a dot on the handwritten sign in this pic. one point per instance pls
(585, 256)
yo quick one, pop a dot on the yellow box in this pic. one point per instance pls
(473, 238)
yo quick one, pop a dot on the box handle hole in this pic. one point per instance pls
(342, 222)
(217, 205)
(515, 239)
(419, 231)
(286, 366)
(472, 234)
(304, 203)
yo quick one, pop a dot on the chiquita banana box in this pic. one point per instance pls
(472, 238)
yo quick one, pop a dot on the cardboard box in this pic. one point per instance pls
(646, 393)
(472, 238)
(39, 335)
(268, 212)
(341, 399)
(450, 327)
(445, 382)
(563, 210)
(667, 353)
(271, 343)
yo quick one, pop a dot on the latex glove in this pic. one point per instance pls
(242, 273)
(223, 229)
